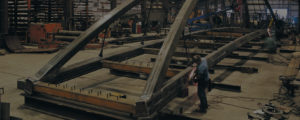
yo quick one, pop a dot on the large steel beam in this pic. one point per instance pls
(222, 52)
(175, 84)
(160, 68)
(163, 60)
(52, 67)
(90, 65)
(93, 64)
(97, 98)
(113, 4)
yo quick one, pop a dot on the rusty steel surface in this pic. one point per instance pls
(95, 98)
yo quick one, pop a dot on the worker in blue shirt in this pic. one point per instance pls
(202, 78)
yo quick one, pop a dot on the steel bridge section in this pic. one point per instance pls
(158, 92)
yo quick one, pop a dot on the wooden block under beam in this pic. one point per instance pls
(135, 68)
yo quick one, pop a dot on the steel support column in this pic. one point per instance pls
(90, 65)
(113, 4)
(245, 14)
(69, 13)
(144, 15)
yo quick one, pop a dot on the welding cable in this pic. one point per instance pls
(218, 100)
(285, 100)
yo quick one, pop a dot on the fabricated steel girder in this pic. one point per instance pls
(171, 87)
(164, 57)
(90, 65)
(225, 50)
(93, 64)
(84, 67)
(53, 66)
(158, 73)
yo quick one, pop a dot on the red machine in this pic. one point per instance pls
(42, 34)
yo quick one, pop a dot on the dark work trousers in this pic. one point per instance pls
(202, 96)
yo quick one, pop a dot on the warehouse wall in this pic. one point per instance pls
(258, 6)
(290, 6)
(4, 16)
(99, 8)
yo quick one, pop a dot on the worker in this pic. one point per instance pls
(271, 41)
(201, 76)
(270, 44)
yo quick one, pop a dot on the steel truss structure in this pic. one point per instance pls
(163, 84)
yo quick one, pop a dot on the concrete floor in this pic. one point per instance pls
(226, 105)
(223, 105)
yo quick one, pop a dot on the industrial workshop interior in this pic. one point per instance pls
(149, 60)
